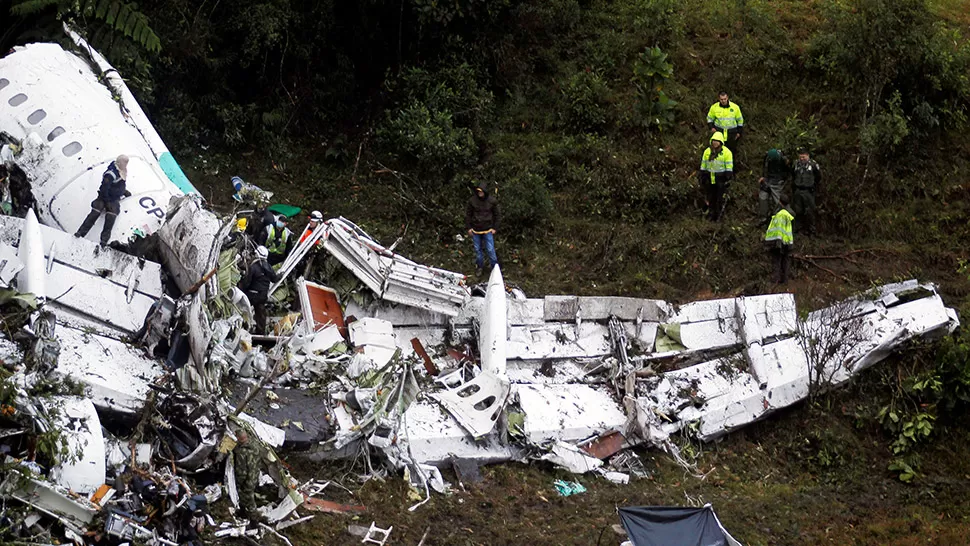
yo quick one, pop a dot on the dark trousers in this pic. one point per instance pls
(258, 302)
(734, 144)
(715, 195)
(781, 263)
(111, 210)
(803, 203)
(276, 257)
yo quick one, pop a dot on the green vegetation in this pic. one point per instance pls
(587, 116)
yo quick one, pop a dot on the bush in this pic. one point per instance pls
(651, 72)
(657, 21)
(428, 137)
(455, 90)
(586, 98)
(526, 204)
(882, 49)
(886, 130)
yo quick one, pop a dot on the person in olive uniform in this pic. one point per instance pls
(248, 463)
(806, 180)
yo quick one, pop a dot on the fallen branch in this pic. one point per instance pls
(844, 256)
(808, 260)
(259, 387)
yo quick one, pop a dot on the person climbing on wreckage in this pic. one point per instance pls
(108, 201)
(256, 283)
(278, 240)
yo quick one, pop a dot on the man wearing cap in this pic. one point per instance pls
(806, 179)
(112, 190)
(278, 240)
(482, 216)
(259, 277)
(775, 171)
(715, 174)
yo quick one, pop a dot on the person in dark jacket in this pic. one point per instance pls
(806, 180)
(256, 283)
(112, 190)
(482, 217)
(775, 171)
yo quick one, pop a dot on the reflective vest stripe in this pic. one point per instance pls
(780, 228)
(724, 162)
(274, 245)
(725, 118)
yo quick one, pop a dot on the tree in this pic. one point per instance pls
(99, 16)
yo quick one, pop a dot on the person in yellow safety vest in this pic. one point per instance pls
(725, 116)
(277, 239)
(714, 177)
(779, 240)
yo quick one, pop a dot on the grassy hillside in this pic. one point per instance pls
(600, 201)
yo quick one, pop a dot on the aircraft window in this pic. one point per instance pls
(58, 131)
(36, 117)
(17, 99)
(72, 148)
(4, 82)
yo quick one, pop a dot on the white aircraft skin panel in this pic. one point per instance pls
(64, 183)
(433, 436)
(494, 325)
(89, 258)
(30, 251)
(567, 412)
(120, 386)
(79, 420)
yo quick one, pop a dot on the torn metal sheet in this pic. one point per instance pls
(571, 458)
(268, 434)
(190, 240)
(319, 305)
(434, 437)
(374, 338)
(10, 264)
(78, 421)
(604, 446)
(477, 404)
(75, 513)
(391, 276)
(567, 412)
(117, 376)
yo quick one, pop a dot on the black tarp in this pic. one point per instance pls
(674, 526)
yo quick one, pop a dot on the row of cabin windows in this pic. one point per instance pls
(38, 116)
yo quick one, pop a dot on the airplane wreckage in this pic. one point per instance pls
(376, 355)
